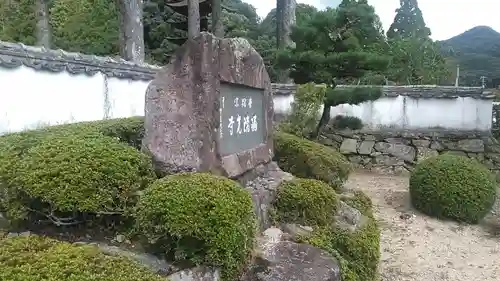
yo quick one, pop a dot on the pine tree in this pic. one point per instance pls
(408, 22)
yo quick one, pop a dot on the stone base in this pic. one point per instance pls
(262, 182)
(397, 152)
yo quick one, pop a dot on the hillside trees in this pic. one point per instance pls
(416, 59)
(327, 50)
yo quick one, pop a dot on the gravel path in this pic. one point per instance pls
(415, 247)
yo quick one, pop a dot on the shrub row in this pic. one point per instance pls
(90, 171)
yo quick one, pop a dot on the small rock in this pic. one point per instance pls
(349, 146)
(349, 218)
(297, 230)
(120, 238)
(199, 273)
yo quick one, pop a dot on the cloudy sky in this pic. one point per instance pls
(445, 18)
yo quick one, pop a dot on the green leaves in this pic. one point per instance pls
(201, 218)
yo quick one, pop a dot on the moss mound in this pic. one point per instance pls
(357, 251)
(307, 159)
(71, 174)
(315, 199)
(452, 187)
(35, 258)
(201, 218)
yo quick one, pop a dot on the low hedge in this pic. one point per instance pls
(452, 187)
(35, 258)
(68, 173)
(201, 218)
(358, 252)
(307, 159)
(316, 200)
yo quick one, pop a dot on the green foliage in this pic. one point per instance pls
(357, 251)
(417, 61)
(17, 19)
(36, 258)
(351, 95)
(69, 173)
(304, 115)
(307, 159)
(408, 22)
(454, 187)
(327, 49)
(201, 218)
(306, 202)
(341, 122)
(86, 26)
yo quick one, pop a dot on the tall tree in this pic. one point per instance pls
(285, 18)
(217, 26)
(193, 18)
(43, 32)
(326, 52)
(408, 22)
(131, 30)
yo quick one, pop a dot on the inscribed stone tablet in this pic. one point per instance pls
(242, 123)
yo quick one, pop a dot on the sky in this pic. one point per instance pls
(445, 18)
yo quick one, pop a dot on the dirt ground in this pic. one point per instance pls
(415, 247)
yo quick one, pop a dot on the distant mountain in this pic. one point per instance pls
(477, 51)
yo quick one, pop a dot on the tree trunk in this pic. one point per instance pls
(285, 19)
(131, 30)
(43, 35)
(193, 18)
(217, 26)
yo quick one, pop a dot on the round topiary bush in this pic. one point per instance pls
(74, 174)
(306, 201)
(453, 187)
(199, 217)
(307, 159)
(35, 258)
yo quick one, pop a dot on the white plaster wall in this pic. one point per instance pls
(31, 99)
(410, 113)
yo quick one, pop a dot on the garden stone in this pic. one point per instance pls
(402, 151)
(280, 260)
(199, 273)
(365, 148)
(349, 218)
(348, 146)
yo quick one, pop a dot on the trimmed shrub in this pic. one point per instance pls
(71, 174)
(358, 252)
(452, 187)
(306, 202)
(201, 218)
(35, 258)
(342, 122)
(307, 159)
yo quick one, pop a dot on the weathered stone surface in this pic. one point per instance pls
(436, 145)
(182, 107)
(349, 218)
(280, 260)
(296, 230)
(421, 143)
(199, 273)
(349, 146)
(366, 147)
(402, 151)
(471, 145)
(262, 183)
(387, 160)
(154, 264)
(396, 152)
(424, 153)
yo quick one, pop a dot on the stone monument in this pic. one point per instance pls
(210, 109)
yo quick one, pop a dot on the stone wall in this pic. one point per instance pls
(396, 152)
